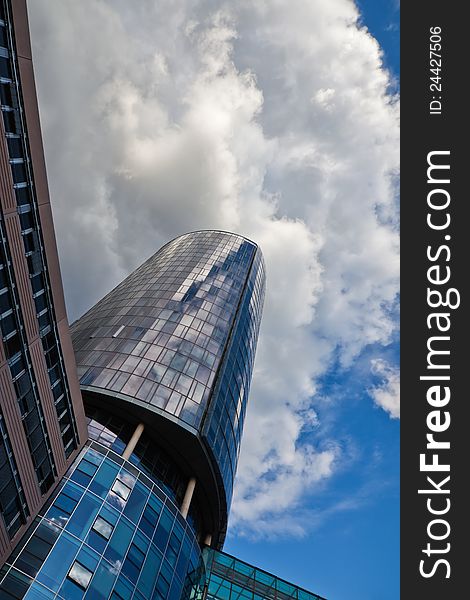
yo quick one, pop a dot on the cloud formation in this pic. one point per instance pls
(273, 120)
(387, 394)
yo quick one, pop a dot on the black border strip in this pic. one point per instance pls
(434, 123)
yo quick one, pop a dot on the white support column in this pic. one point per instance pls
(208, 540)
(188, 497)
(133, 441)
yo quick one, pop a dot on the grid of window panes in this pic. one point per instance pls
(114, 433)
(223, 426)
(18, 148)
(109, 533)
(231, 579)
(13, 505)
(22, 374)
(159, 336)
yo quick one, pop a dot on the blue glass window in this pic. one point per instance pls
(84, 516)
(175, 590)
(173, 549)
(162, 532)
(124, 564)
(83, 473)
(105, 475)
(163, 586)
(80, 574)
(15, 585)
(38, 547)
(58, 562)
(103, 527)
(119, 541)
(122, 590)
(39, 592)
(181, 565)
(149, 521)
(121, 489)
(150, 571)
(133, 563)
(231, 578)
(136, 502)
(102, 583)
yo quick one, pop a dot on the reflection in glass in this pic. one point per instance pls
(98, 552)
(179, 334)
(121, 490)
(80, 575)
(103, 527)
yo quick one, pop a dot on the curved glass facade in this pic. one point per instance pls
(223, 425)
(114, 433)
(109, 532)
(178, 336)
(165, 363)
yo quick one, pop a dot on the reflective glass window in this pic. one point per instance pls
(136, 502)
(84, 516)
(65, 559)
(58, 562)
(121, 489)
(193, 312)
(80, 575)
(102, 527)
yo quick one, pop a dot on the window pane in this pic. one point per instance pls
(120, 540)
(103, 527)
(102, 583)
(80, 575)
(121, 490)
(103, 478)
(84, 516)
(57, 563)
(136, 503)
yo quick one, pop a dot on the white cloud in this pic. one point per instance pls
(268, 119)
(387, 394)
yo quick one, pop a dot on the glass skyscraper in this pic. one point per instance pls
(173, 347)
(164, 363)
(119, 443)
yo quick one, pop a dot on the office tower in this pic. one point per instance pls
(139, 509)
(165, 363)
(173, 346)
(42, 424)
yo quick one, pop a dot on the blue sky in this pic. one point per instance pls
(280, 125)
(354, 553)
(382, 18)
